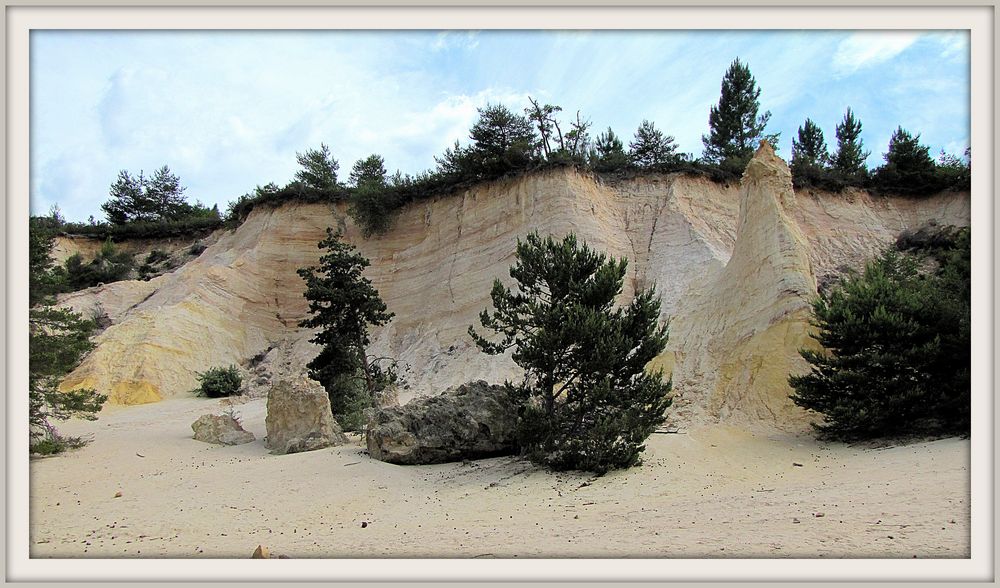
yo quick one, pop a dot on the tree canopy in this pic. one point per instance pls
(735, 125)
(651, 148)
(158, 198)
(343, 305)
(849, 160)
(586, 401)
(896, 348)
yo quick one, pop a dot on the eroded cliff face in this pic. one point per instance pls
(738, 331)
(240, 301)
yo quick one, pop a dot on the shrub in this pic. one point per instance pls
(156, 256)
(896, 351)
(108, 266)
(218, 382)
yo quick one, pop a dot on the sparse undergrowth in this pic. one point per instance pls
(219, 382)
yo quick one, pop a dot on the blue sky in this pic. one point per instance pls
(228, 110)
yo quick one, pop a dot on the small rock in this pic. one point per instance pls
(261, 553)
(221, 430)
(118, 494)
(364, 524)
(796, 464)
(796, 521)
(818, 515)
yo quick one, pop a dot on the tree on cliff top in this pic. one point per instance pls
(343, 304)
(735, 127)
(651, 148)
(319, 169)
(849, 160)
(157, 198)
(908, 167)
(586, 402)
(809, 155)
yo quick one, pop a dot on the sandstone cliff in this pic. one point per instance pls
(739, 328)
(240, 301)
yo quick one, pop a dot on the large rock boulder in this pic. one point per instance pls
(299, 418)
(470, 421)
(221, 429)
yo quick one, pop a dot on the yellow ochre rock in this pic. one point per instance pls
(738, 334)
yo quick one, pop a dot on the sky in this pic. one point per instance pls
(228, 110)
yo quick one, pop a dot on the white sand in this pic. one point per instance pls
(711, 492)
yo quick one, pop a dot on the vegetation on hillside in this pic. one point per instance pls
(57, 341)
(587, 401)
(896, 344)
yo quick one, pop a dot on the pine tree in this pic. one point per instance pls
(810, 147)
(895, 356)
(368, 170)
(157, 198)
(735, 127)
(501, 142)
(343, 304)
(128, 202)
(809, 155)
(166, 196)
(849, 160)
(609, 153)
(651, 148)
(586, 401)
(319, 169)
(57, 341)
(908, 167)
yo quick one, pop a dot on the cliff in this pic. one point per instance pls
(735, 267)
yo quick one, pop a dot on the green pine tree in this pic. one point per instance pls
(895, 357)
(809, 155)
(319, 169)
(651, 148)
(609, 153)
(908, 167)
(587, 401)
(735, 126)
(343, 304)
(849, 160)
(57, 341)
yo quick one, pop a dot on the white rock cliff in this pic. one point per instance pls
(735, 267)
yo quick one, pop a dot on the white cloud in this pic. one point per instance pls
(867, 48)
(455, 40)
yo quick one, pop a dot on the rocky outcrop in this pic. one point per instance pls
(221, 429)
(299, 418)
(739, 331)
(470, 421)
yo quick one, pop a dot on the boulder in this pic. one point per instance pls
(299, 418)
(221, 429)
(470, 421)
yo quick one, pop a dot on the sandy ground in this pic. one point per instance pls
(710, 492)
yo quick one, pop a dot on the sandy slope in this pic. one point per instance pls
(710, 492)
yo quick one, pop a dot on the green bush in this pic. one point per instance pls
(218, 382)
(156, 256)
(587, 401)
(896, 348)
(108, 266)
